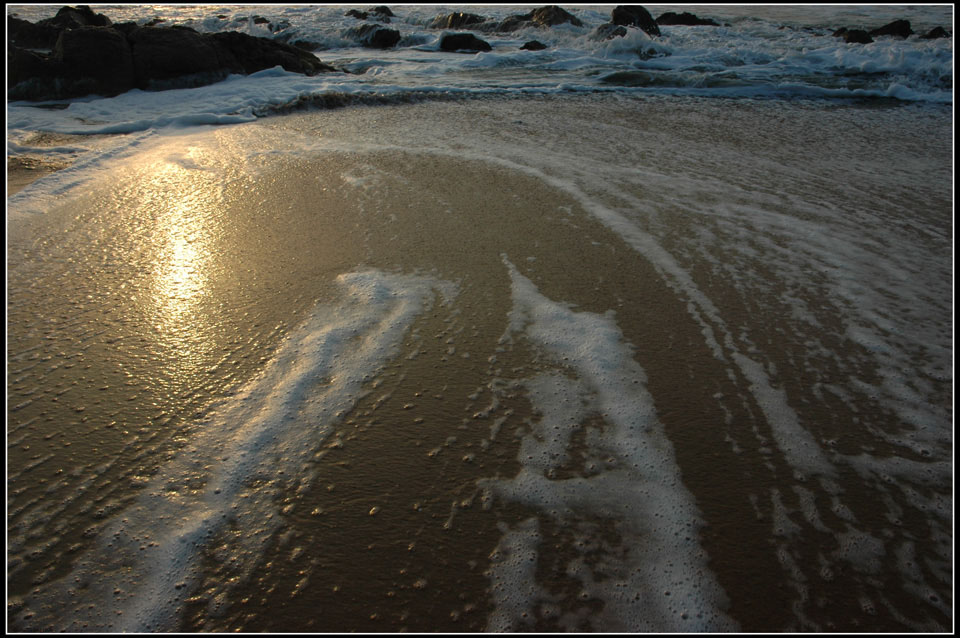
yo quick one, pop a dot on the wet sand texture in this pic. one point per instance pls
(456, 367)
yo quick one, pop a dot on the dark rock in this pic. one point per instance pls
(383, 11)
(374, 36)
(98, 59)
(162, 54)
(126, 28)
(108, 60)
(542, 17)
(854, 36)
(32, 36)
(934, 33)
(897, 28)
(635, 16)
(256, 54)
(511, 23)
(359, 15)
(27, 73)
(534, 45)
(74, 17)
(155, 22)
(552, 16)
(685, 19)
(608, 31)
(306, 45)
(260, 20)
(463, 42)
(455, 21)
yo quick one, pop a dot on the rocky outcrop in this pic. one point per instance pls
(374, 36)
(897, 28)
(533, 45)
(354, 13)
(685, 19)
(110, 59)
(463, 42)
(635, 16)
(456, 20)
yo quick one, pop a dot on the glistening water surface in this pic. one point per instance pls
(596, 363)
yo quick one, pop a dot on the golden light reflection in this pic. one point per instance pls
(182, 202)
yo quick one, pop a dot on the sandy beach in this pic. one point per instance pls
(583, 363)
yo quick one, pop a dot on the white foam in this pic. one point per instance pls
(659, 579)
(246, 453)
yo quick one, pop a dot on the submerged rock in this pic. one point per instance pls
(635, 16)
(463, 42)
(897, 28)
(685, 19)
(374, 36)
(533, 45)
(608, 31)
(359, 15)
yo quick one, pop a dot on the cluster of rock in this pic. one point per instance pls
(90, 55)
(897, 28)
(79, 52)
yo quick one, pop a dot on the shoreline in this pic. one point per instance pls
(723, 272)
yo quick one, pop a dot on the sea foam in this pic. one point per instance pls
(229, 474)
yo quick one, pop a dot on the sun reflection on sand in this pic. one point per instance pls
(185, 206)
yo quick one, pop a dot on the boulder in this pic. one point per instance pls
(161, 54)
(533, 45)
(463, 42)
(635, 16)
(608, 31)
(685, 19)
(254, 54)
(32, 36)
(543, 17)
(374, 36)
(510, 23)
(98, 59)
(455, 20)
(551, 16)
(108, 60)
(44, 34)
(383, 11)
(74, 17)
(934, 33)
(897, 28)
(359, 15)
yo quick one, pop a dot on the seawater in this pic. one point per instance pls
(544, 354)
(598, 363)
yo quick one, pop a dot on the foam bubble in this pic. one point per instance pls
(274, 423)
(656, 578)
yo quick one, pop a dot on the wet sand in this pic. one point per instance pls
(141, 312)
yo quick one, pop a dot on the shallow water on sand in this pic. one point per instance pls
(590, 363)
